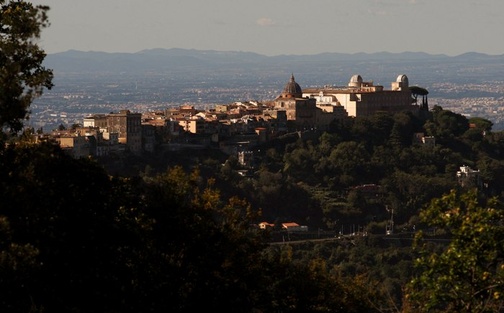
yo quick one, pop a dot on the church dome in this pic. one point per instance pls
(292, 89)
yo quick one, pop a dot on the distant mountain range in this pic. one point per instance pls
(470, 83)
(322, 68)
(175, 57)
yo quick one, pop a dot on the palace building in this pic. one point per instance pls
(303, 112)
(363, 98)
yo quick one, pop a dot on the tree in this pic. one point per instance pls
(60, 237)
(467, 274)
(350, 159)
(419, 91)
(481, 124)
(446, 124)
(22, 75)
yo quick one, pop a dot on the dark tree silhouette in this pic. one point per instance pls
(22, 75)
(419, 91)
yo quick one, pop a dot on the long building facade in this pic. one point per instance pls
(363, 98)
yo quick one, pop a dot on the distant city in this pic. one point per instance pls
(471, 85)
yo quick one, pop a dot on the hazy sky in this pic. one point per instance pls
(275, 27)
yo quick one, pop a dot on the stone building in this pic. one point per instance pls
(468, 177)
(300, 111)
(363, 98)
(76, 145)
(128, 127)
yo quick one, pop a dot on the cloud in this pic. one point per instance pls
(380, 12)
(265, 21)
(393, 2)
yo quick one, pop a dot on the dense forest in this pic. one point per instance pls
(179, 234)
(76, 237)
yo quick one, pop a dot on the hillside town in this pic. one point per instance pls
(236, 127)
(171, 180)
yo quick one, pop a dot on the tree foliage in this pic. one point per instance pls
(75, 239)
(446, 124)
(466, 275)
(22, 75)
(72, 237)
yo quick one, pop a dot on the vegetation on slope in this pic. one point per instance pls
(74, 237)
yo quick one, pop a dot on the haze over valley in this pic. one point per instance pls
(99, 82)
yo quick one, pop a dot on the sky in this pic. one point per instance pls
(276, 27)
